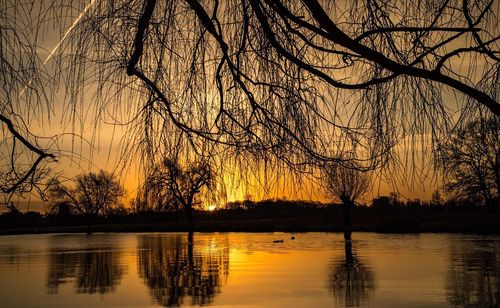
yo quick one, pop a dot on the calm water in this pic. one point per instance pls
(249, 270)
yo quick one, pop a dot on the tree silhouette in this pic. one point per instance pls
(470, 160)
(93, 194)
(173, 187)
(346, 185)
(173, 269)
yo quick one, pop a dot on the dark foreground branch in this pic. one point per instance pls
(10, 188)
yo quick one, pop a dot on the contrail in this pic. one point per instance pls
(73, 25)
(77, 20)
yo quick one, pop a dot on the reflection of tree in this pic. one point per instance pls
(474, 274)
(10, 254)
(96, 269)
(350, 280)
(173, 269)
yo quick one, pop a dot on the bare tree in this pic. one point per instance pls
(93, 194)
(138, 204)
(173, 186)
(346, 185)
(470, 161)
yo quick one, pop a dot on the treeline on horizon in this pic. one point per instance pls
(386, 213)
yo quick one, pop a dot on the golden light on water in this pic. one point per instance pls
(227, 269)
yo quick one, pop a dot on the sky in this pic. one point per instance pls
(85, 145)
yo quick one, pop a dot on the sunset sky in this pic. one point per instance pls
(249, 153)
(85, 144)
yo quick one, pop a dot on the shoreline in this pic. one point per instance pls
(268, 225)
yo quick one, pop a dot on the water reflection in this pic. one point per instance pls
(9, 254)
(429, 270)
(351, 281)
(173, 268)
(95, 268)
(474, 274)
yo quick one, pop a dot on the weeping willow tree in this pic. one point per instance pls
(347, 185)
(303, 81)
(299, 79)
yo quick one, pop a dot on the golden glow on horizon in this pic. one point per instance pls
(286, 187)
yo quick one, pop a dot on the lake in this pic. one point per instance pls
(249, 270)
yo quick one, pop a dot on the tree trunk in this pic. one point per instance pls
(189, 213)
(346, 218)
(497, 182)
(487, 198)
(89, 220)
